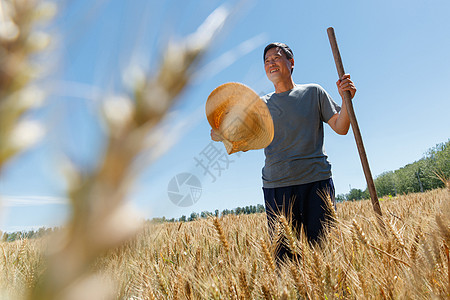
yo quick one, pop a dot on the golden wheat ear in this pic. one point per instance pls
(330, 206)
(267, 255)
(444, 228)
(221, 233)
(442, 177)
(289, 234)
(20, 43)
(361, 235)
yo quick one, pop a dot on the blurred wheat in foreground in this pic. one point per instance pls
(232, 258)
(101, 218)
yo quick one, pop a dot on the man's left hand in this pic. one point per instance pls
(346, 84)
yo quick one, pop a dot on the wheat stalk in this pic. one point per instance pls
(317, 274)
(232, 291)
(287, 229)
(360, 233)
(447, 254)
(443, 228)
(414, 247)
(266, 292)
(267, 255)
(19, 42)
(396, 235)
(329, 205)
(301, 286)
(244, 285)
(284, 295)
(221, 234)
(251, 284)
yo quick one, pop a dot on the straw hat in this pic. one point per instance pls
(239, 115)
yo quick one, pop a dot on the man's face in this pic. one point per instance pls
(277, 65)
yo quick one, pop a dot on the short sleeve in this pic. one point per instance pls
(327, 106)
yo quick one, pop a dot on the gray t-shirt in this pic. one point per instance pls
(296, 154)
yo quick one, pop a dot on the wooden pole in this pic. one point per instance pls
(354, 123)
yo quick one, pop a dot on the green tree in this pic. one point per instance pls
(355, 194)
(260, 208)
(385, 184)
(340, 198)
(193, 217)
(438, 164)
(204, 214)
(406, 179)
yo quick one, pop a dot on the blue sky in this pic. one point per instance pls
(396, 52)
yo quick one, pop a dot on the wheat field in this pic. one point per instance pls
(232, 258)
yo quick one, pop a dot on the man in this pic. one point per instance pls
(296, 169)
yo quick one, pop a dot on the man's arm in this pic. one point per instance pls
(340, 122)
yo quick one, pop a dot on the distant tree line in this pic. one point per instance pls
(426, 174)
(252, 209)
(31, 234)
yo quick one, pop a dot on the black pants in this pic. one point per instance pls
(303, 205)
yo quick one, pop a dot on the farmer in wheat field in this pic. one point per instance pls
(297, 170)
